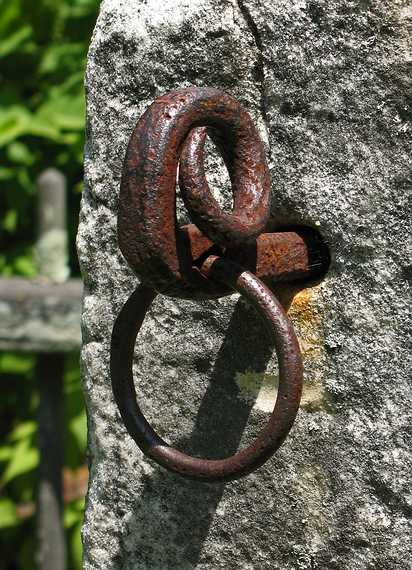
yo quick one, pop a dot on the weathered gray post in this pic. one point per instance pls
(326, 84)
(51, 248)
(52, 242)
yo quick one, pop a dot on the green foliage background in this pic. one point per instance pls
(43, 45)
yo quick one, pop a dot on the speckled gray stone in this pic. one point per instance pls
(327, 84)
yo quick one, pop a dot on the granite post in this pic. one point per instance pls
(327, 84)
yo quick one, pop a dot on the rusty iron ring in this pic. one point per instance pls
(125, 330)
(148, 236)
(224, 229)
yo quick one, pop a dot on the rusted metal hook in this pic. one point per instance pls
(220, 254)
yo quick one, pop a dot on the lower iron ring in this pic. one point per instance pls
(125, 331)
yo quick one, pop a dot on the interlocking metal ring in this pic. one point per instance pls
(148, 237)
(270, 438)
(179, 261)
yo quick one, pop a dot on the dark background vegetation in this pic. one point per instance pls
(43, 45)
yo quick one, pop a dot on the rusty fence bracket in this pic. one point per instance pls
(216, 255)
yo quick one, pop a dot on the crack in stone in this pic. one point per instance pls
(260, 70)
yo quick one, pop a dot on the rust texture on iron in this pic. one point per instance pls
(218, 254)
(273, 257)
(147, 208)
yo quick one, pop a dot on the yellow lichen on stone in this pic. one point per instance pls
(260, 389)
(308, 323)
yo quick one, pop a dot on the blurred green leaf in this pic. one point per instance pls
(10, 13)
(76, 549)
(25, 266)
(15, 40)
(78, 188)
(57, 57)
(80, 8)
(14, 122)
(13, 363)
(17, 122)
(6, 173)
(63, 112)
(73, 513)
(10, 221)
(78, 428)
(8, 515)
(23, 431)
(5, 452)
(25, 458)
(20, 153)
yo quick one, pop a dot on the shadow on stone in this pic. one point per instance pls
(173, 515)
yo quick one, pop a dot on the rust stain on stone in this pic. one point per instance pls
(260, 389)
(308, 322)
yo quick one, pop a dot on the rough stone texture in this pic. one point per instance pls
(327, 84)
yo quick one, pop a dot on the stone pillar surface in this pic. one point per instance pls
(327, 84)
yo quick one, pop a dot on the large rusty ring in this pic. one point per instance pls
(269, 439)
(148, 237)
